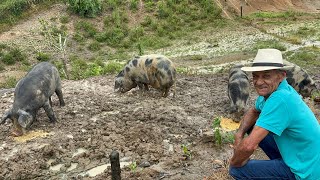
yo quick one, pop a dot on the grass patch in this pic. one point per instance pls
(307, 58)
(10, 82)
(12, 11)
(269, 44)
(273, 15)
(10, 56)
(81, 69)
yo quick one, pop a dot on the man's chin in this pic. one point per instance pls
(262, 93)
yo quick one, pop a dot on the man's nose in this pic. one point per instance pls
(259, 81)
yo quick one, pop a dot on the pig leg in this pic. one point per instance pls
(165, 92)
(50, 101)
(146, 87)
(49, 112)
(140, 85)
(59, 94)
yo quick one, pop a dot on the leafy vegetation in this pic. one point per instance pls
(269, 44)
(186, 152)
(272, 15)
(308, 58)
(10, 56)
(85, 8)
(81, 69)
(10, 82)
(133, 166)
(220, 136)
(12, 11)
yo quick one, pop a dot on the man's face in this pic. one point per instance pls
(266, 82)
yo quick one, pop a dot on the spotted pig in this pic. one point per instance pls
(154, 70)
(33, 92)
(238, 90)
(300, 80)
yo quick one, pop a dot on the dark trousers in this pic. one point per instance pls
(273, 169)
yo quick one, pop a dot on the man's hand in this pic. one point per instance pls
(244, 149)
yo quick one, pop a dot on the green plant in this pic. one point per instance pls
(12, 56)
(269, 44)
(1, 67)
(133, 166)
(85, 8)
(43, 56)
(315, 95)
(186, 152)
(87, 29)
(134, 5)
(10, 82)
(57, 39)
(112, 67)
(64, 19)
(95, 46)
(217, 134)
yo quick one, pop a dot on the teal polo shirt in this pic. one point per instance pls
(295, 130)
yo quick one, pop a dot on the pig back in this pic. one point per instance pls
(37, 86)
(160, 71)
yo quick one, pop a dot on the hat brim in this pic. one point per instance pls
(264, 68)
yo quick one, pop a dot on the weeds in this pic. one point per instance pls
(10, 82)
(43, 57)
(13, 55)
(269, 44)
(186, 152)
(85, 8)
(272, 15)
(220, 136)
(217, 134)
(133, 166)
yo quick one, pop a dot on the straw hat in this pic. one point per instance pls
(267, 59)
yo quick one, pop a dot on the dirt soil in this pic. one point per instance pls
(145, 129)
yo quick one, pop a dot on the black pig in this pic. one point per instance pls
(238, 90)
(300, 80)
(33, 92)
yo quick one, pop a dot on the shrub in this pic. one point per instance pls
(112, 67)
(95, 46)
(13, 56)
(269, 44)
(64, 19)
(10, 82)
(8, 59)
(136, 33)
(85, 8)
(87, 28)
(134, 5)
(43, 56)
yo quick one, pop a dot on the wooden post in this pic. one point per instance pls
(241, 7)
(115, 165)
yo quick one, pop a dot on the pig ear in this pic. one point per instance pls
(6, 116)
(25, 118)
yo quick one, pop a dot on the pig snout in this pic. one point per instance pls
(25, 119)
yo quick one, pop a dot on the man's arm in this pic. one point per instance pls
(246, 147)
(248, 121)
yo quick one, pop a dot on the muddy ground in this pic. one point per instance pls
(143, 128)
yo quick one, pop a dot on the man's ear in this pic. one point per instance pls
(282, 74)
